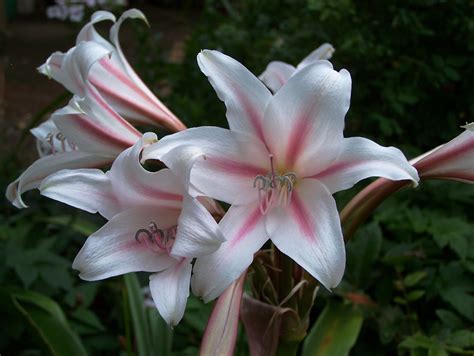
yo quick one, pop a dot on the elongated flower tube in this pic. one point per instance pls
(112, 75)
(86, 133)
(153, 225)
(453, 160)
(277, 73)
(278, 166)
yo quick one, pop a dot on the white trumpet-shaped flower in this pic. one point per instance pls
(278, 166)
(112, 75)
(153, 225)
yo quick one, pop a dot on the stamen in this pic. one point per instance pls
(156, 239)
(274, 189)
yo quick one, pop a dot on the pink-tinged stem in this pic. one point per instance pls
(221, 330)
(366, 201)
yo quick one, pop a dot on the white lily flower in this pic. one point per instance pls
(453, 160)
(153, 225)
(112, 75)
(278, 166)
(86, 133)
(277, 73)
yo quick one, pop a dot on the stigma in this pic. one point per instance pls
(155, 239)
(274, 189)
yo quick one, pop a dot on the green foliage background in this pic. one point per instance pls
(410, 269)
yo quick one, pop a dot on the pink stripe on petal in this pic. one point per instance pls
(437, 158)
(254, 116)
(116, 116)
(156, 111)
(247, 226)
(334, 169)
(101, 133)
(451, 175)
(302, 216)
(297, 140)
(234, 167)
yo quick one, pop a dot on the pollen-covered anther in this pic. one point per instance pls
(157, 240)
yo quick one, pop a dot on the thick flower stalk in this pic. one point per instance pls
(278, 166)
(154, 226)
(277, 73)
(86, 133)
(112, 75)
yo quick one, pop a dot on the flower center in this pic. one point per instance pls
(55, 142)
(274, 189)
(157, 240)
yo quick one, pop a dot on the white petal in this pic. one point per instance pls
(304, 120)
(325, 51)
(113, 250)
(222, 168)
(43, 167)
(198, 232)
(86, 189)
(134, 186)
(170, 291)
(88, 32)
(309, 231)
(362, 158)
(71, 68)
(276, 74)
(453, 160)
(244, 228)
(244, 95)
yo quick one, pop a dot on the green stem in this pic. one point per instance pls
(366, 201)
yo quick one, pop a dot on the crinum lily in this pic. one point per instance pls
(277, 73)
(153, 225)
(278, 166)
(453, 160)
(112, 75)
(86, 133)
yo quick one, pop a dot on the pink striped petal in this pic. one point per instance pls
(88, 32)
(94, 126)
(232, 159)
(85, 189)
(170, 290)
(113, 249)
(43, 167)
(220, 335)
(304, 120)
(276, 74)
(244, 228)
(310, 233)
(135, 186)
(453, 160)
(244, 95)
(362, 158)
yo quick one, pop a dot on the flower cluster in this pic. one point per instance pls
(277, 166)
(74, 10)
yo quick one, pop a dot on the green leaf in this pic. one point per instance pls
(449, 319)
(161, 333)
(415, 295)
(462, 338)
(362, 252)
(137, 310)
(461, 300)
(335, 331)
(413, 278)
(49, 321)
(83, 227)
